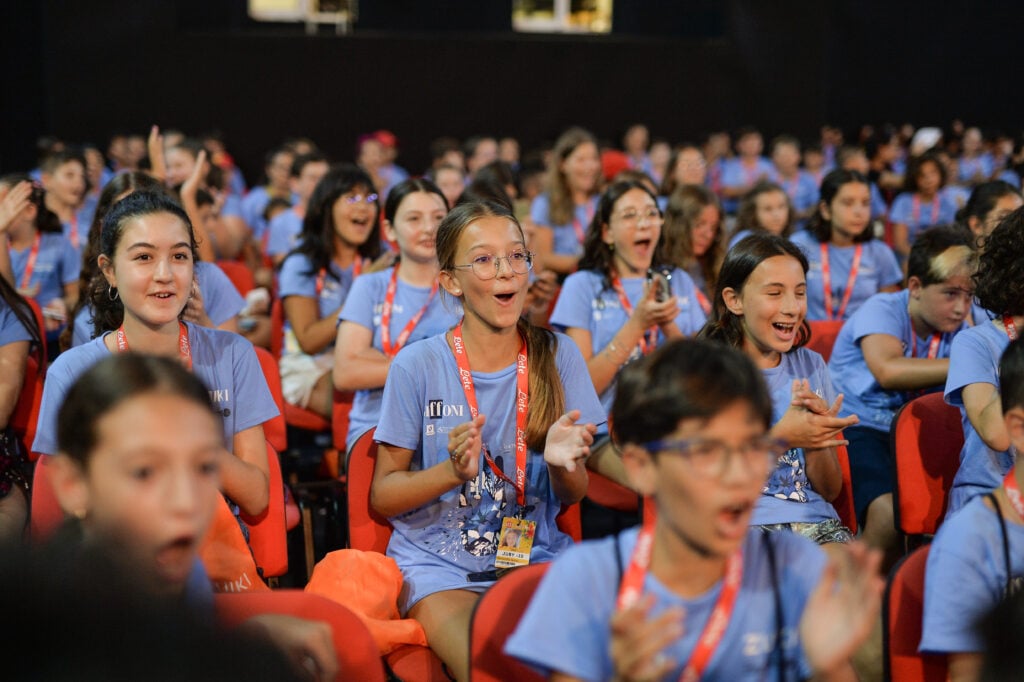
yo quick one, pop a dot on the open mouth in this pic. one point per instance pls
(176, 557)
(163, 295)
(505, 297)
(734, 519)
(784, 328)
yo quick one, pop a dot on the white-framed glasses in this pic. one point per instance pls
(487, 265)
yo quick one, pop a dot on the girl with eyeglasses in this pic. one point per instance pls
(695, 593)
(397, 306)
(610, 307)
(483, 431)
(339, 241)
(760, 307)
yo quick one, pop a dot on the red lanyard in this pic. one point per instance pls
(1013, 491)
(705, 304)
(357, 267)
(826, 278)
(1011, 328)
(650, 338)
(30, 265)
(633, 584)
(385, 319)
(749, 174)
(74, 230)
(522, 403)
(935, 210)
(580, 231)
(933, 345)
(184, 347)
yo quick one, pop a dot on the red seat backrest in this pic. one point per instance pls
(45, 514)
(902, 611)
(367, 530)
(276, 327)
(358, 656)
(844, 501)
(25, 417)
(268, 532)
(926, 437)
(823, 336)
(239, 274)
(495, 617)
(275, 430)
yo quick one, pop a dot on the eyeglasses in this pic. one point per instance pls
(710, 458)
(486, 266)
(651, 215)
(357, 198)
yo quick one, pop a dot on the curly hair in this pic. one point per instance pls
(999, 280)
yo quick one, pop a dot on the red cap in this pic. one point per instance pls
(386, 138)
(613, 162)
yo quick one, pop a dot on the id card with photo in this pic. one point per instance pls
(515, 542)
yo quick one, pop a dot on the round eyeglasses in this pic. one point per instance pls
(486, 266)
(710, 458)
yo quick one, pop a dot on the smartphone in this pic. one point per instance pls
(663, 283)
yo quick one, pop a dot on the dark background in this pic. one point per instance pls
(422, 68)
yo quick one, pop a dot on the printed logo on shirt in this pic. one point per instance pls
(220, 395)
(430, 430)
(762, 643)
(436, 409)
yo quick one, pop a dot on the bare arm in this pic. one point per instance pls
(314, 333)
(985, 412)
(895, 372)
(204, 240)
(13, 361)
(246, 475)
(901, 239)
(357, 364)
(823, 472)
(965, 667)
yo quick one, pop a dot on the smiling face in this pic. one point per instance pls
(354, 216)
(709, 514)
(152, 483)
(771, 211)
(180, 164)
(496, 303)
(632, 232)
(772, 305)
(152, 268)
(582, 167)
(415, 226)
(66, 183)
(705, 229)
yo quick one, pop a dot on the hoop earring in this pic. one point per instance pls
(112, 293)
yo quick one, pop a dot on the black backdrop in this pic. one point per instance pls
(81, 70)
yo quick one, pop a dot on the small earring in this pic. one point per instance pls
(112, 293)
(79, 514)
(611, 246)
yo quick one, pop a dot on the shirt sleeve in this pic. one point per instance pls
(889, 271)
(360, 303)
(970, 362)
(401, 415)
(251, 387)
(71, 264)
(293, 279)
(220, 296)
(900, 211)
(956, 593)
(575, 304)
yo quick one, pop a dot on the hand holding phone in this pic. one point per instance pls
(662, 284)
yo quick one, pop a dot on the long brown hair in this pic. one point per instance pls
(681, 213)
(560, 204)
(547, 399)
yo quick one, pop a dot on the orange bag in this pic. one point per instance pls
(368, 583)
(226, 555)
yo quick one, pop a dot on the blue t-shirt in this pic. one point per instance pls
(974, 359)
(220, 298)
(57, 264)
(736, 174)
(295, 279)
(253, 205)
(968, 167)
(863, 396)
(439, 543)
(965, 577)
(565, 628)
(566, 239)
(586, 303)
(11, 328)
(801, 190)
(225, 362)
(365, 306)
(878, 268)
(787, 496)
(940, 211)
(285, 229)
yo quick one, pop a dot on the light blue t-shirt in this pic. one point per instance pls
(365, 306)
(863, 396)
(225, 362)
(253, 205)
(285, 229)
(974, 359)
(11, 328)
(220, 298)
(968, 167)
(57, 264)
(878, 268)
(586, 303)
(566, 239)
(565, 628)
(439, 543)
(801, 190)
(965, 577)
(296, 279)
(940, 211)
(736, 174)
(787, 496)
